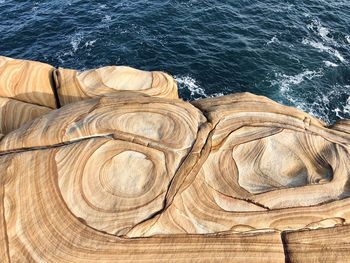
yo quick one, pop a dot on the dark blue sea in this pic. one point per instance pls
(295, 52)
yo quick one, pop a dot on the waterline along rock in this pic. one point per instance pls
(109, 165)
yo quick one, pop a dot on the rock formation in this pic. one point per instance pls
(73, 86)
(108, 165)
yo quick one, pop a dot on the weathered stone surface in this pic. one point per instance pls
(321, 245)
(269, 166)
(27, 81)
(15, 113)
(126, 177)
(30, 89)
(73, 86)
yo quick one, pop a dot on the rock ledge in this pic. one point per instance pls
(109, 165)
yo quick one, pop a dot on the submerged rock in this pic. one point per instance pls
(126, 171)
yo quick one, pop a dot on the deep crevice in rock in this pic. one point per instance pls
(55, 87)
(285, 247)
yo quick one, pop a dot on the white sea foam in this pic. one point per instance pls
(322, 31)
(76, 40)
(326, 43)
(347, 39)
(90, 43)
(347, 106)
(189, 83)
(330, 64)
(337, 93)
(107, 18)
(324, 48)
(288, 84)
(274, 39)
(343, 111)
(330, 100)
(35, 7)
(316, 108)
(218, 94)
(196, 92)
(337, 112)
(285, 81)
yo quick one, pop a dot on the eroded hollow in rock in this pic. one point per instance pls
(79, 182)
(283, 160)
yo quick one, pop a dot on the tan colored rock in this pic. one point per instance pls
(321, 245)
(15, 113)
(121, 156)
(28, 88)
(269, 166)
(41, 228)
(129, 115)
(127, 177)
(27, 81)
(74, 86)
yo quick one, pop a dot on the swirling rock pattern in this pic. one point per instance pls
(30, 89)
(27, 81)
(126, 177)
(14, 114)
(74, 86)
(263, 157)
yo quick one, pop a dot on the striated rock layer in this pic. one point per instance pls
(125, 171)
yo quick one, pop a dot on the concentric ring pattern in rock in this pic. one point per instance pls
(26, 92)
(269, 166)
(27, 81)
(73, 86)
(30, 89)
(121, 156)
(90, 181)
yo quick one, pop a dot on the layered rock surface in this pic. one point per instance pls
(124, 171)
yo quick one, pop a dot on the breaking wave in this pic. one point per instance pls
(318, 101)
(190, 84)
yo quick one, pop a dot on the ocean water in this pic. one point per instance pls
(295, 52)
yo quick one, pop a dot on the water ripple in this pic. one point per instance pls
(296, 52)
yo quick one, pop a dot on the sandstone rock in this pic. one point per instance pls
(27, 81)
(15, 113)
(321, 245)
(128, 177)
(269, 166)
(74, 86)
(29, 89)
